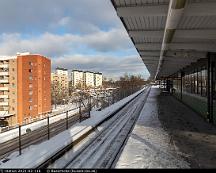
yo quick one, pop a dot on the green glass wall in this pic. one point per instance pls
(194, 88)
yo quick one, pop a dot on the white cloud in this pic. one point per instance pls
(62, 29)
(45, 15)
(108, 65)
(59, 45)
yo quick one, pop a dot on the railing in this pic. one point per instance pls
(4, 65)
(99, 101)
(4, 73)
(4, 81)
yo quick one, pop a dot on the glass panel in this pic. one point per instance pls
(199, 82)
(204, 82)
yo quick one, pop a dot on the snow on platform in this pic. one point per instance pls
(37, 154)
(149, 144)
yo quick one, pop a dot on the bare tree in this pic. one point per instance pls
(60, 95)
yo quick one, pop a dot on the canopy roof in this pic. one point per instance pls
(169, 34)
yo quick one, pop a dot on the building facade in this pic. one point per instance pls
(77, 78)
(24, 88)
(98, 79)
(85, 79)
(60, 80)
(89, 79)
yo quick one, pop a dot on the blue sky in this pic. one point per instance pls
(80, 34)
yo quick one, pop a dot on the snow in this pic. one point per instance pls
(104, 147)
(5, 136)
(149, 144)
(39, 153)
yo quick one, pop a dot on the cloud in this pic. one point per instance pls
(45, 15)
(108, 65)
(74, 33)
(58, 45)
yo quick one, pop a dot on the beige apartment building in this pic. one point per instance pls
(98, 79)
(89, 79)
(77, 78)
(60, 80)
(24, 88)
(83, 79)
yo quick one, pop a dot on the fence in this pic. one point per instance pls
(86, 102)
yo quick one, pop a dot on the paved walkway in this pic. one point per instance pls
(169, 135)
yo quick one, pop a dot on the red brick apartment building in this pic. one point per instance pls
(25, 88)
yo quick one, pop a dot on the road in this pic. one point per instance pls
(102, 150)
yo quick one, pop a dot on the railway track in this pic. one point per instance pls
(101, 149)
(36, 136)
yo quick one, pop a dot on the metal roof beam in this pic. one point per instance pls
(199, 34)
(147, 33)
(148, 46)
(200, 9)
(156, 10)
(149, 53)
(208, 47)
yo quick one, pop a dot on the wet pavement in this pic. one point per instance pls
(168, 134)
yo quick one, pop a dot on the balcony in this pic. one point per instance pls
(4, 66)
(4, 112)
(4, 73)
(4, 88)
(4, 103)
(4, 81)
(4, 96)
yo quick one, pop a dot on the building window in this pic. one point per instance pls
(30, 92)
(30, 108)
(30, 78)
(30, 70)
(30, 63)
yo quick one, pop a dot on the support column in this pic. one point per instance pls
(181, 84)
(210, 88)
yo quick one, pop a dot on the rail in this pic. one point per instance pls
(62, 151)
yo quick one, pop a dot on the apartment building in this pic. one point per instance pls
(24, 88)
(60, 79)
(98, 79)
(89, 79)
(77, 78)
(86, 79)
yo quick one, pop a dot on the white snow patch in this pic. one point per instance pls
(149, 144)
(41, 152)
(6, 136)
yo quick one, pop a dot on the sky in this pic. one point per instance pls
(74, 34)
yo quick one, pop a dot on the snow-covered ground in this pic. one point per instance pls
(149, 144)
(35, 155)
(5, 136)
(102, 150)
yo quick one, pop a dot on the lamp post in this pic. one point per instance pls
(48, 129)
(20, 144)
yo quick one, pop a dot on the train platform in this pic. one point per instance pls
(168, 134)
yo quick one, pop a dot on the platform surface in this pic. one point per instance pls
(169, 134)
